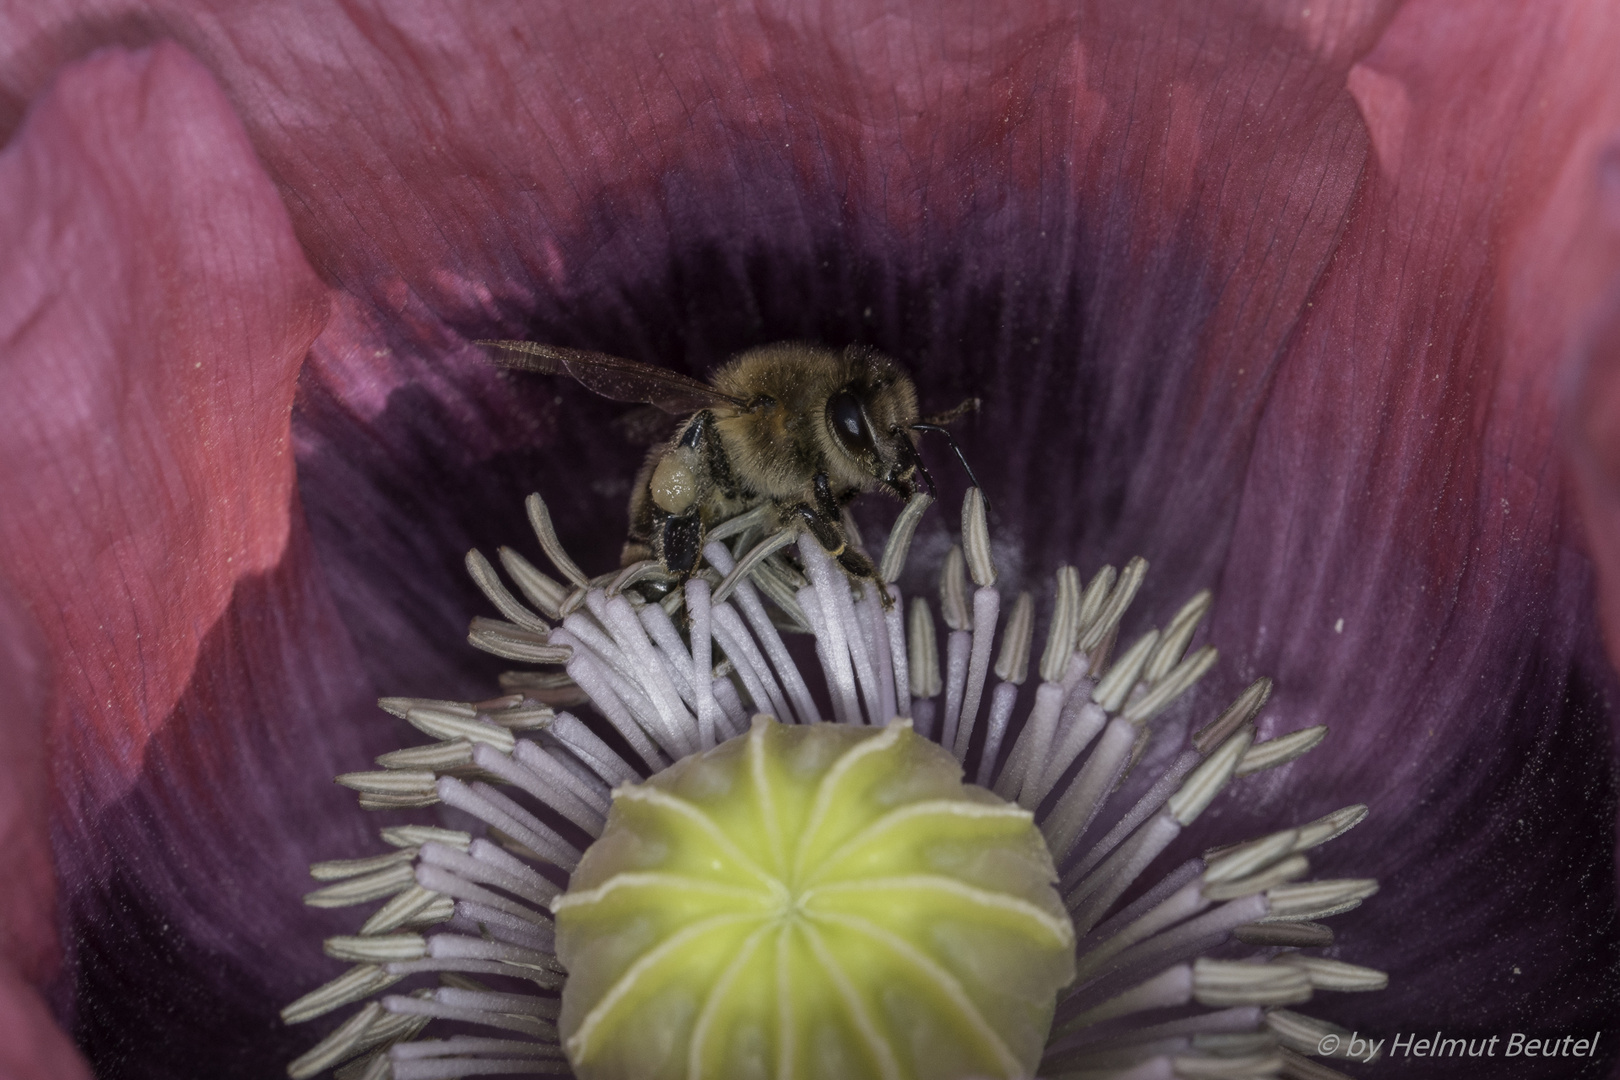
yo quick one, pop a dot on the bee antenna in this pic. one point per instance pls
(959, 457)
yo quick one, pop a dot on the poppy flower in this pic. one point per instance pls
(1279, 299)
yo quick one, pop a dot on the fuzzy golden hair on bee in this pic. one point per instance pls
(798, 430)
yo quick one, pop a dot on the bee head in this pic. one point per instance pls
(870, 417)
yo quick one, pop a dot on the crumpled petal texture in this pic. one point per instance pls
(1403, 477)
(154, 310)
(1272, 295)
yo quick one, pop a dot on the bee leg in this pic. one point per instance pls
(827, 531)
(825, 503)
(823, 522)
(860, 567)
(680, 539)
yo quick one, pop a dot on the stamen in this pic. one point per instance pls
(976, 539)
(824, 592)
(856, 634)
(1068, 615)
(645, 570)
(923, 651)
(513, 642)
(1096, 594)
(540, 521)
(1083, 799)
(1304, 1034)
(1318, 899)
(1299, 935)
(379, 949)
(803, 704)
(1177, 635)
(874, 631)
(443, 723)
(396, 782)
(986, 607)
(1326, 974)
(363, 889)
(1240, 712)
(338, 869)
(540, 785)
(1224, 982)
(953, 602)
(899, 653)
(490, 584)
(1178, 682)
(756, 555)
(742, 523)
(1281, 750)
(1250, 858)
(1121, 678)
(1119, 598)
(437, 757)
(958, 648)
(337, 1047)
(487, 804)
(416, 906)
(899, 545)
(1012, 665)
(539, 589)
(357, 983)
(1077, 725)
(414, 836)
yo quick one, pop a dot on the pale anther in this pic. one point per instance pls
(539, 588)
(923, 658)
(1240, 712)
(976, 539)
(1012, 663)
(1119, 598)
(1064, 631)
(546, 533)
(1116, 685)
(900, 536)
(489, 583)
(1177, 635)
(1281, 750)
(953, 594)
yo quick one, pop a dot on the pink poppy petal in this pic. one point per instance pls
(154, 310)
(1592, 393)
(144, 435)
(1296, 293)
(1405, 562)
(31, 1045)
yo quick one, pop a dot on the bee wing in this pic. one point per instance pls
(645, 426)
(613, 378)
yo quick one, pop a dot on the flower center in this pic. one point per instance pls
(746, 911)
(812, 900)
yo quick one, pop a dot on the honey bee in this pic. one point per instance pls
(801, 428)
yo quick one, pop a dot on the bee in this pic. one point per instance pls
(802, 428)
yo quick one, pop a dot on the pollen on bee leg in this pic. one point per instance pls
(671, 685)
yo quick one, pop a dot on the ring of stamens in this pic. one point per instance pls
(1147, 1000)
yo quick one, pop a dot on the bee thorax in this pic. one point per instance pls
(674, 484)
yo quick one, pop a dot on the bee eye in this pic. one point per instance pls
(848, 422)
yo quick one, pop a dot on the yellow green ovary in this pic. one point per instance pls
(812, 903)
